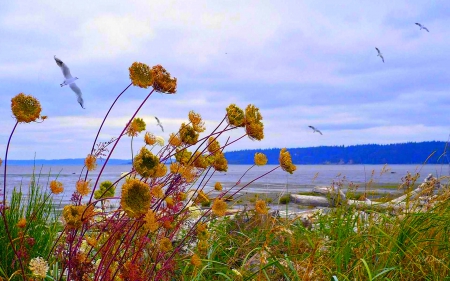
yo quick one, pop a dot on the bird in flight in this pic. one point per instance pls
(379, 54)
(69, 80)
(422, 27)
(159, 123)
(315, 130)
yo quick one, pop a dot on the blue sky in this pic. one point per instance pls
(301, 62)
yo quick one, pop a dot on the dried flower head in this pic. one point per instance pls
(286, 161)
(202, 197)
(83, 187)
(174, 140)
(91, 241)
(235, 116)
(218, 186)
(260, 159)
(56, 187)
(188, 134)
(195, 260)
(145, 163)
(260, 207)
(183, 156)
(202, 245)
(188, 173)
(141, 75)
(72, 215)
(160, 140)
(213, 145)
(253, 125)
(106, 189)
(25, 108)
(157, 191)
(136, 198)
(200, 161)
(160, 171)
(165, 244)
(22, 223)
(196, 121)
(90, 162)
(135, 127)
(38, 267)
(219, 207)
(162, 82)
(220, 163)
(149, 138)
(151, 222)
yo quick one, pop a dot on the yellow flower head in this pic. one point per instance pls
(141, 75)
(25, 108)
(188, 173)
(165, 244)
(161, 171)
(213, 145)
(183, 156)
(202, 245)
(202, 231)
(188, 134)
(235, 116)
(253, 125)
(91, 241)
(38, 267)
(286, 161)
(220, 163)
(157, 191)
(83, 187)
(219, 207)
(195, 260)
(56, 187)
(135, 127)
(196, 121)
(106, 189)
(136, 198)
(149, 138)
(175, 168)
(202, 197)
(218, 186)
(162, 81)
(151, 223)
(260, 159)
(260, 207)
(160, 140)
(22, 223)
(145, 163)
(174, 140)
(200, 160)
(72, 215)
(90, 162)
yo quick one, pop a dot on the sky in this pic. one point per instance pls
(300, 62)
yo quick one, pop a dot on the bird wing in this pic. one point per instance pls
(161, 127)
(319, 132)
(157, 119)
(64, 68)
(418, 24)
(377, 50)
(382, 58)
(77, 91)
(426, 29)
(311, 127)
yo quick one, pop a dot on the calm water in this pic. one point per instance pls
(303, 179)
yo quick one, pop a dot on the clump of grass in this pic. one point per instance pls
(285, 199)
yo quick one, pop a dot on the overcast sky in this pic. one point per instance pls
(301, 62)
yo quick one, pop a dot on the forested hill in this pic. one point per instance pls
(399, 153)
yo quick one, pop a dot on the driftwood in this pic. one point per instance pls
(330, 197)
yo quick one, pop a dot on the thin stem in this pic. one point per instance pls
(4, 169)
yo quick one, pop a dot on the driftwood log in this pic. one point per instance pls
(330, 197)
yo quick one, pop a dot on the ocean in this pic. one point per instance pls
(278, 181)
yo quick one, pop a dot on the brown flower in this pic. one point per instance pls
(220, 163)
(136, 198)
(22, 223)
(174, 140)
(253, 125)
(188, 134)
(141, 75)
(286, 161)
(235, 116)
(218, 186)
(25, 108)
(213, 145)
(56, 187)
(197, 122)
(135, 127)
(260, 159)
(162, 82)
(195, 260)
(260, 207)
(90, 162)
(219, 207)
(146, 163)
(83, 187)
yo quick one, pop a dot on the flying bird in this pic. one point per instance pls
(315, 130)
(422, 27)
(69, 80)
(379, 54)
(159, 123)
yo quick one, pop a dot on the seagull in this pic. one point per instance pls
(422, 27)
(315, 130)
(379, 54)
(159, 123)
(69, 80)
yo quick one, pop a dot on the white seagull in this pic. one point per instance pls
(422, 27)
(315, 130)
(69, 80)
(379, 54)
(159, 123)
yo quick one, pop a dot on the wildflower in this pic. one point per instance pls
(219, 207)
(194, 212)
(141, 75)
(174, 140)
(160, 172)
(202, 231)
(286, 161)
(90, 162)
(169, 201)
(162, 82)
(188, 173)
(25, 108)
(218, 186)
(165, 244)
(200, 160)
(183, 156)
(160, 140)
(151, 223)
(83, 187)
(188, 134)
(235, 116)
(167, 224)
(145, 163)
(220, 163)
(202, 197)
(91, 241)
(136, 198)
(260, 207)
(195, 260)
(253, 125)
(260, 159)
(157, 191)
(213, 145)
(202, 245)
(106, 189)
(39, 267)
(197, 122)
(175, 168)
(56, 187)
(135, 127)
(22, 223)
(72, 215)
(149, 138)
